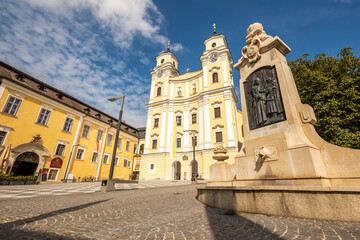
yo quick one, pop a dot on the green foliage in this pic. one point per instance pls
(4, 177)
(332, 87)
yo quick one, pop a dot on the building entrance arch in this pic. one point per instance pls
(177, 170)
(27, 159)
(25, 164)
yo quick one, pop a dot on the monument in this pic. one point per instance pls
(284, 167)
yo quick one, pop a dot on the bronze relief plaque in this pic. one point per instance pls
(263, 98)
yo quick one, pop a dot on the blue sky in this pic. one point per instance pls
(94, 50)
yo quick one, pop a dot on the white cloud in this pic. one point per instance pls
(64, 43)
(344, 1)
(177, 47)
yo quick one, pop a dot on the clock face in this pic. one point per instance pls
(159, 73)
(213, 57)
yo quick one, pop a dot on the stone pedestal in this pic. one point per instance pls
(282, 152)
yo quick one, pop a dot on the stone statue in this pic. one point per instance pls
(179, 92)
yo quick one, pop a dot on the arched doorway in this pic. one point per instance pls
(25, 164)
(177, 170)
(194, 169)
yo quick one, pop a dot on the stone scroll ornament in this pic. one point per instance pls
(255, 36)
(263, 98)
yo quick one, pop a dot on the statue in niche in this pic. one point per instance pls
(194, 89)
(179, 92)
(263, 98)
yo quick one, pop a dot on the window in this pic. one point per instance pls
(215, 77)
(94, 157)
(125, 163)
(119, 143)
(178, 120)
(60, 149)
(129, 164)
(158, 91)
(2, 137)
(156, 122)
(109, 139)
(117, 158)
(52, 175)
(193, 118)
(141, 150)
(178, 142)
(99, 135)
(106, 158)
(217, 112)
(135, 147)
(151, 167)
(44, 116)
(68, 124)
(80, 153)
(194, 141)
(86, 131)
(154, 144)
(218, 137)
(12, 105)
(127, 148)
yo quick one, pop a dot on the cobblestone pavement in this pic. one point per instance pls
(152, 213)
(29, 191)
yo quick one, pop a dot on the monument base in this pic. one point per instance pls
(315, 202)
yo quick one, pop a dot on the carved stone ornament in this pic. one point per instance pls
(267, 153)
(185, 158)
(220, 153)
(36, 139)
(255, 36)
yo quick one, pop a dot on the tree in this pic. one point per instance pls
(332, 87)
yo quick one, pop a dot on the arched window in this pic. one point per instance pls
(158, 91)
(215, 77)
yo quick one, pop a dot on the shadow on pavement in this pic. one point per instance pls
(11, 225)
(226, 224)
(17, 234)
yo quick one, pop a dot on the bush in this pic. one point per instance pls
(4, 177)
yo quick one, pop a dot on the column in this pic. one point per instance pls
(163, 129)
(200, 84)
(207, 117)
(205, 76)
(171, 90)
(152, 89)
(169, 129)
(187, 89)
(201, 126)
(166, 84)
(186, 127)
(225, 75)
(229, 120)
(148, 130)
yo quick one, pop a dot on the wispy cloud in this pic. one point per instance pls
(344, 1)
(75, 46)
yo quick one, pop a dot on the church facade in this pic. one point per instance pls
(192, 109)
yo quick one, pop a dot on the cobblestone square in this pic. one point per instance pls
(151, 213)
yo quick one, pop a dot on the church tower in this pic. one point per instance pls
(197, 108)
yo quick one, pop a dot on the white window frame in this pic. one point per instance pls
(214, 70)
(151, 170)
(7, 130)
(97, 135)
(82, 156)
(218, 129)
(17, 108)
(217, 105)
(181, 119)
(156, 117)
(96, 160)
(71, 124)
(117, 160)
(107, 139)
(119, 143)
(154, 137)
(87, 133)
(127, 147)
(129, 164)
(177, 137)
(38, 117)
(57, 174)
(125, 162)
(107, 162)
(63, 143)
(135, 148)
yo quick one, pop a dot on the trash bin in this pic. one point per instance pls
(104, 182)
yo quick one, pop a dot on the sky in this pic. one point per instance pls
(96, 49)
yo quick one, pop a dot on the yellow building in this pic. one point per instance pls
(202, 103)
(53, 132)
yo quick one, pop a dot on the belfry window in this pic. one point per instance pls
(178, 120)
(215, 77)
(217, 112)
(218, 137)
(193, 118)
(158, 91)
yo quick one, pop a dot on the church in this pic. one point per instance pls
(190, 114)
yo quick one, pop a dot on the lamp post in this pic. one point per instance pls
(69, 163)
(193, 177)
(111, 173)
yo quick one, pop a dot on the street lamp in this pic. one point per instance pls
(69, 163)
(111, 173)
(193, 177)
